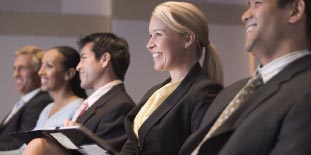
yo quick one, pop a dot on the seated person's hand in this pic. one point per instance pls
(41, 146)
(70, 123)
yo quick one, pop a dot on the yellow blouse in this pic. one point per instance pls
(153, 103)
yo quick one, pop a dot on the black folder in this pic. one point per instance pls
(75, 139)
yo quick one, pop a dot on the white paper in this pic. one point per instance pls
(92, 149)
(64, 140)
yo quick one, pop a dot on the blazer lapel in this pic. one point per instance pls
(220, 103)
(263, 93)
(247, 107)
(2, 122)
(19, 110)
(129, 120)
(99, 103)
(170, 102)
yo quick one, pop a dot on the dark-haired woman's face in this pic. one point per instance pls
(52, 73)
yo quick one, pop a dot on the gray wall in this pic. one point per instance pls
(61, 22)
(226, 32)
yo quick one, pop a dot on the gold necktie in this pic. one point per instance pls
(243, 94)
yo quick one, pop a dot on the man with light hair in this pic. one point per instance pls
(26, 111)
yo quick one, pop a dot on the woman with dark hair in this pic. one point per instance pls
(60, 78)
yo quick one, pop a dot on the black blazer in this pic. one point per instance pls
(176, 118)
(24, 119)
(275, 120)
(106, 116)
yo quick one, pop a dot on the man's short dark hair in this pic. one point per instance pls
(283, 3)
(117, 47)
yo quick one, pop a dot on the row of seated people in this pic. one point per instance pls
(104, 59)
(175, 116)
(60, 72)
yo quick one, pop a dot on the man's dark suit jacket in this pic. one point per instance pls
(176, 118)
(24, 119)
(106, 116)
(275, 120)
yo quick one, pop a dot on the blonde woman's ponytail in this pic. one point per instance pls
(212, 65)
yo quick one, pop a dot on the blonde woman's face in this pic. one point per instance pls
(165, 45)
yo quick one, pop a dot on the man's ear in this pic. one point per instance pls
(105, 59)
(190, 39)
(70, 73)
(297, 11)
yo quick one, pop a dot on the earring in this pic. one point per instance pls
(185, 48)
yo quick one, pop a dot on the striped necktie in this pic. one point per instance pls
(16, 107)
(241, 96)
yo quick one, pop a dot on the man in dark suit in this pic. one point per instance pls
(104, 62)
(26, 112)
(275, 117)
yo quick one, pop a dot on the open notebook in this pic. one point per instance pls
(76, 139)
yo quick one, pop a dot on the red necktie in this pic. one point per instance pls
(84, 106)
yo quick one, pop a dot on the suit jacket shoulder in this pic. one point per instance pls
(175, 119)
(280, 108)
(106, 116)
(25, 119)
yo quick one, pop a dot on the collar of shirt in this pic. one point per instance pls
(274, 67)
(30, 95)
(101, 91)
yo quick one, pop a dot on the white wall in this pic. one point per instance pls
(229, 40)
(141, 75)
(10, 43)
(8, 46)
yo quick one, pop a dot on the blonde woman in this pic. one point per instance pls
(171, 111)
